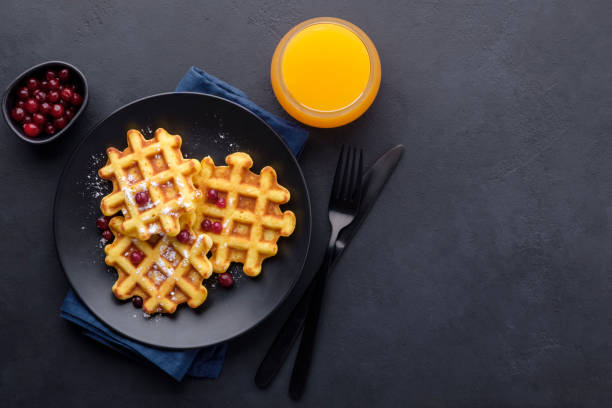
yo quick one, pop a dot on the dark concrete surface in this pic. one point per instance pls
(483, 276)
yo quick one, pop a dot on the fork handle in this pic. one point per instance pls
(288, 334)
(301, 367)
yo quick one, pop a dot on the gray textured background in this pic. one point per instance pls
(482, 276)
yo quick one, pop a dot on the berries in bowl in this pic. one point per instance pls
(44, 101)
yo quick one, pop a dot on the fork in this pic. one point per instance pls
(343, 207)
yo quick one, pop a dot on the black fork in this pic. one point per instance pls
(343, 206)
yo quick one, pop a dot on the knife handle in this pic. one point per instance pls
(280, 348)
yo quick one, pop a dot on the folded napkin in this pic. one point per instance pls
(205, 362)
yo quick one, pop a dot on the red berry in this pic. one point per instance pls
(212, 194)
(136, 257)
(45, 108)
(137, 301)
(217, 227)
(57, 110)
(69, 114)
(50, 129)
(41, 96)
(32, 84)
(50, 75)
(53, 96)
(18, 114)
(44, 85)
(20, 103)
(31, 129)
(77, 99)
(107, 235)
(141, 197)
(31, 105)
(184, 236)
(23, 93)
(53, 84)
(64, 74)
(225, 280)
(27, 119)
(221, 202)
(206, 225)
(39, 119)
(66, 94)
(102, 223)
(60, 122)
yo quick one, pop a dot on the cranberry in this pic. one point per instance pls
(20, 103)
(17, 114)
(64, 74)
(31, 129)
(50, 129)
(31, 105)
(221, 202)
(217, 227)
(23, 93)
(142, 197)
(41, 96)
(225, 280)
(53, 84)
(57, 110)
(39, 119)
(136, 257)
(206, 225)
(107, 235)
(66, 94)
(44, 85)
(69, 114)
(53, 96)
(45, 108)
(50, 75)
(32, 84)
(184, 236)
(27, 119)
(137, 301)
(60, 122)
(212, 194)
(102, 223)
(77, 99)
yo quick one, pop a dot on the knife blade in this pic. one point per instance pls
(374, 181)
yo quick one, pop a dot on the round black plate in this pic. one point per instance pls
(209, 126)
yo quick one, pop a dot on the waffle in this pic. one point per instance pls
(170, 273)
(252, 219)
(158, 167)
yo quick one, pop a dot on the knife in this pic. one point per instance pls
(373, 183)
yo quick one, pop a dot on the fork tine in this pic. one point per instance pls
(359, 181)
(336, 186)
(347, 174)
(351, 183)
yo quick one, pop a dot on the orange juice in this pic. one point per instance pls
(325, 72)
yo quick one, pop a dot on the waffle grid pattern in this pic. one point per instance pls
(252, 220)
(170, 273)
(156, 166)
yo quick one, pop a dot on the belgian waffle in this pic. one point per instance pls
(252, 220)
(157, 167)
(170, 272)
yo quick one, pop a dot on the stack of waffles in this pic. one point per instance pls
(177, 220)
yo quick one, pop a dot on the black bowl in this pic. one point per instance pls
(38, 71)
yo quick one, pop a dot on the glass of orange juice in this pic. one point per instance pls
(325, 72)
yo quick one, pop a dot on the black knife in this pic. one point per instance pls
(373, 183)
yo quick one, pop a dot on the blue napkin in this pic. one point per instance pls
(205, 362)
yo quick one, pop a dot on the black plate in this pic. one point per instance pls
(209, 126)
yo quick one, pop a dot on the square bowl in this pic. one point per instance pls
(37, 71)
